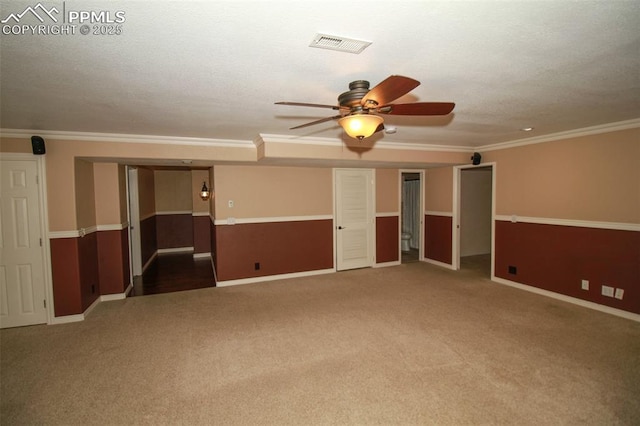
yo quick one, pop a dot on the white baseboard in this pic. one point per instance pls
(584, 303)
(213, 266)
(76, 317)
(385, 264)
(201, 255)
(66, 319)
(148, 263)
(175, 250)
(165, 251)
(273, 277)
(91, 307)
(115, 296)
(81, 317)
(438, 263)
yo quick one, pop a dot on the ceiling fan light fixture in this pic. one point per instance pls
(360, 126)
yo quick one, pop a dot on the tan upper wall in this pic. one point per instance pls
(212, 187)
(84, 194)
(60, 166)
(107, 194)
(264, 191)
(174, 191)
(387, 191)
(146, 193)
(591, 178)
(197, 177)
(438, 190)
(15, 145)
(122, 189)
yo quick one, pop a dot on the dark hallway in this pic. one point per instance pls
(174, 272)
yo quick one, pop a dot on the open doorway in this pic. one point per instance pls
(475, 219)
(170, 238)
(411, 230)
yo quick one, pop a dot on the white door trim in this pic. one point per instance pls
(455, 223)
(44, 224)
(133, 216)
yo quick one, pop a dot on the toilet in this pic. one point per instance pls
(404, 243)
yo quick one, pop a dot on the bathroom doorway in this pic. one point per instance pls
(411, 215)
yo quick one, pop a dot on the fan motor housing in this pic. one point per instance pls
(357, 90)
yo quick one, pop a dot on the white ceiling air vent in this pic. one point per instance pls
(341, 44)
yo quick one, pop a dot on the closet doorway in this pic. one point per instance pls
(411, 215)
(473, 214)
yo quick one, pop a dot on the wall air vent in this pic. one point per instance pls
(341, 44)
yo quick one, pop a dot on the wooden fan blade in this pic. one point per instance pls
(418, 108)
(389, 90)
(336, 107)
(322, 120)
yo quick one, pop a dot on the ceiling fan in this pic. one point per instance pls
(359, 105)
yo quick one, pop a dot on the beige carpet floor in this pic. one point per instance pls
(406, 345)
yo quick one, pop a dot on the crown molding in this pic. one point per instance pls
(327, 142)
(586, 131)
(125, 138)
(265, 138)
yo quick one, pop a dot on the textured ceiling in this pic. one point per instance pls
(214, 69)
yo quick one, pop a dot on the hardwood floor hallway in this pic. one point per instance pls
(174, 272)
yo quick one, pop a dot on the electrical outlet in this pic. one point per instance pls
(230, 204)
(607, 291)
(513, 270)
(619, 293)
(256, 266)
(585, 284)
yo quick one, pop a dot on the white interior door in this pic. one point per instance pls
(355, 231)
(22, 279)
(134, 222)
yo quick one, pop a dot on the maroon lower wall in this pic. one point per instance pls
(387, 239)
(438, 238)
(201, 234)
(148, 239)
(65, 271)
(84, 268)
(558, 258)
(279, 248)
(89, 277)
(214, 244)
(113, 261)
(174, 230)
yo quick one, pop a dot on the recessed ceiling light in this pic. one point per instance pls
(527, 129)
